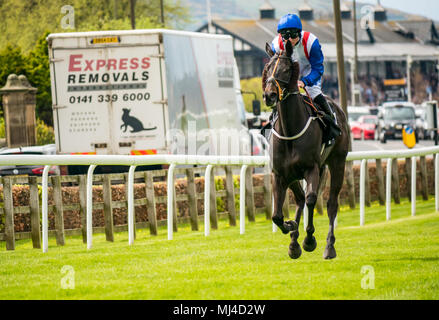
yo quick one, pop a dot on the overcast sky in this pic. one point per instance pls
(427, 8)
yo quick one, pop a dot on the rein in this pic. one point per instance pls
(282, 97)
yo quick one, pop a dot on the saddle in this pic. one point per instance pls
(324, 121)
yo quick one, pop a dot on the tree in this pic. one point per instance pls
(12, 60)
(23, 22)
(38, 73)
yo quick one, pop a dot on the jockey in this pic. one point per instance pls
(308, 53)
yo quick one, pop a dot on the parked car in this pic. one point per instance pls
(354, 113)
(364, 128)
(422, 124)
(392, 119)
(31, 170)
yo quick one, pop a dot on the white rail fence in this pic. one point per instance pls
(210, 161)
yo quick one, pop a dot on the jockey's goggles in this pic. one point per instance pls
(290, 33)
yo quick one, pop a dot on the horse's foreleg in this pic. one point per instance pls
(337, 174)
(294, 250)
(312, 178)
(279, 193)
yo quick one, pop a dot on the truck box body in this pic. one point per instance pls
(122, 92)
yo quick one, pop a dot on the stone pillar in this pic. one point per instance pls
(19, 102)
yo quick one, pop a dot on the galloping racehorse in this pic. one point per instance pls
(297, 151)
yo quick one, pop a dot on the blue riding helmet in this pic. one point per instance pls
(289, 21)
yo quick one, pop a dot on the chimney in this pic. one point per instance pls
(345, 12)
(306, 12)
(380, 13)
(266, 11)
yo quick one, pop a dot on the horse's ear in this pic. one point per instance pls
(268, 50)
(289, 49)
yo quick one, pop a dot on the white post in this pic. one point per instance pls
(207, 178)
(44, 209)
(413, 186)
(272, 210)
(170, 208)
(362, 189)
(388, 188)
(242, 200)
(436, 181)
(305, 208)
(90, 205)
(131, 214)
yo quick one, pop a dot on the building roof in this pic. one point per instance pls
(385, 40)
(382, 51)
(421, 29)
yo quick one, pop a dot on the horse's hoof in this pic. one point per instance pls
(329, 253)
(294, 250)
(309, 245)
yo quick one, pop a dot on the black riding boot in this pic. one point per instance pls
(334, 129)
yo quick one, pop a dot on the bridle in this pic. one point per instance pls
(284, 93)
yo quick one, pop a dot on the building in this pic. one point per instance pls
(385, 48)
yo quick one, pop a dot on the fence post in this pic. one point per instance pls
(83, 205)
(367, 185)
(350, 183)
(424, 177)
(388, 188)
(395, 181)
(230, 193)
(267, 193)
(170, 203)
(108, 208)
(45, 208)
(150, 197)
(34, 212)
(9, 213)
(242, 178)
(129, 188)
(250, 195)
(380, 178)
(408, 170)
(59, 218)
(413, 185)
(90, 205)
(212, 199)
(363, 169)
(207, 203)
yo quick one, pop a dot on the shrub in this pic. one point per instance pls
(45, 134)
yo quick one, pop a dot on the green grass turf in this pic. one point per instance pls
(403, 252)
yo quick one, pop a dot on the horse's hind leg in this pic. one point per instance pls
(337, 173)
(294, 250)
(279, 193)
(312, 178)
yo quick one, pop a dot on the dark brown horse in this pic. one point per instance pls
(296, 152)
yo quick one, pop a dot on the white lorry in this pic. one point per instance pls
(129, 92)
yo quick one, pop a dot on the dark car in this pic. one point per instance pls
(31, 170)
(393, 117)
